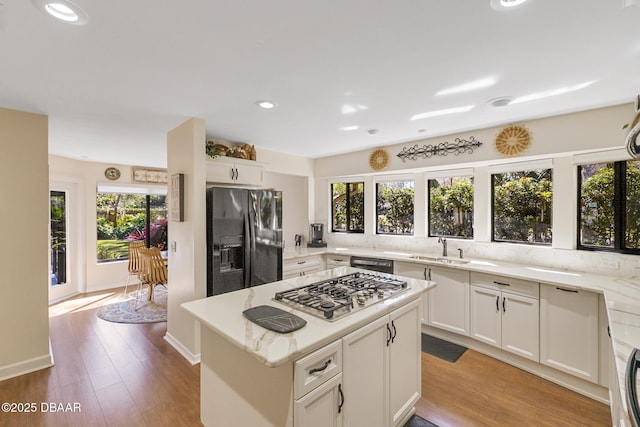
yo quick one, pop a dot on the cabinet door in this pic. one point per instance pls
(321, 407)
(404, 361)
(365, 364)
(220, 171)
(416, 271)
(449, 300)
(520, 326)
(486, 319)
(569, 331)
(248, 174)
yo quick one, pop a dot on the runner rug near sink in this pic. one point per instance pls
(443, 349)
(418, 421)
(125, 310)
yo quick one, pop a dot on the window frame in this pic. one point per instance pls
(524, 167)
(393, 178)
(348, 206)
(619, 210)
(449, 175)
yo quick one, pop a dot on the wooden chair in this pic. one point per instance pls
(153, 271)
(134, 261)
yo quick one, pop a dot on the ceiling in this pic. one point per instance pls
(114, 87)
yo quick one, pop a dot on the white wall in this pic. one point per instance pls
(557, 141)
(24, 219)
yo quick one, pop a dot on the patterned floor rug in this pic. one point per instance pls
(124, 311)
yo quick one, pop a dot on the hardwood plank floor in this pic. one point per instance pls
(480, 391)
(128, 375)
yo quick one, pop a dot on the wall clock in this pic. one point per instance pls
(513, 140)
(379, 159)
(112, 173)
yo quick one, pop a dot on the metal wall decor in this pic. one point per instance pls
(458, 147)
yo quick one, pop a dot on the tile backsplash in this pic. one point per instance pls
(603, 263)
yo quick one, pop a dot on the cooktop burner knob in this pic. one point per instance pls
(380, 293)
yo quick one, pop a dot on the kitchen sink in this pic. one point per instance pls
(439, 259)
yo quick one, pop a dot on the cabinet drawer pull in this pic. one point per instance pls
(501, 283)
(567, 290)
(302, 262)
(395, 331)
(341, 397)
(338, 260)
(316, 370)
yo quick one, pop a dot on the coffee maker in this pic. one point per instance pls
(316, 236)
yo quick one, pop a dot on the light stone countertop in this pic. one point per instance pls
(223, 314)
(621, 294)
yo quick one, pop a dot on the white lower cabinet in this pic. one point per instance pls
(302, 266)
(333, 261)
(569, 331)
(381, 369)
(506, 319)
(448, 306)
(322, 406)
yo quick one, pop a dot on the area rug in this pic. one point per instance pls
(443, 349)
(418, 421)
(124, 311)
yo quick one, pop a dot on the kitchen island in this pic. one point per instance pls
(253, 376)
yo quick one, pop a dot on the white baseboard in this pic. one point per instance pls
(194, 359)
(26, 366)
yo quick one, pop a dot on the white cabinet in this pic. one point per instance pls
(301, 266)
(569, 331)
(333, 261)
(505, 313)
(230, 170)
(318, 388)
(381, 374)
(448, 306)
(416, 271)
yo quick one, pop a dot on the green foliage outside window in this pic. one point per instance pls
(451, 207)
(610, 206)
(522, 204)
(394, 207)
(348, 207)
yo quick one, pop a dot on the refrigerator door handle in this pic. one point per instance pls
(247, 251)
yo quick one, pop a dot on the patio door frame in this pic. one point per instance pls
(74, 283)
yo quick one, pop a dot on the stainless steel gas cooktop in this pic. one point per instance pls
(332, 298)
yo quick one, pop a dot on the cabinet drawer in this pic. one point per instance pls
(313, 370)
(337, 260)
(301, 264)
(507, 284)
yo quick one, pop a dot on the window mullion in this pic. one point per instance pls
(619, 204)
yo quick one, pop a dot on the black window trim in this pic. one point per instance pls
(378, 182)
(348, 208)
(428, 213)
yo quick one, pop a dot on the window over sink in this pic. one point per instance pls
(451, 207)
(394, 207)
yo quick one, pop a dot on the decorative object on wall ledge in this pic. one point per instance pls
(112, 173)
(632, 137)
(379, 159)
(219, 148)
(513, 140)
(149, 175)
(458, 147)
(177, 197)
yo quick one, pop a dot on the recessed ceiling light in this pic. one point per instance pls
(265, 104)
(501, 101)
(355, 127)
(511, 3)
(62, 10)
(466, 87)
(349, 109)
(442, 112)
(373, 131)
(553, 92)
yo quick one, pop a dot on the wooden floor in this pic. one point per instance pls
(480, 391)
(128, 375)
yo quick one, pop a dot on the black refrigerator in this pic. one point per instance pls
(244, 238)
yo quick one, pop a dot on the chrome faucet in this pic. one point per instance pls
(444, 245)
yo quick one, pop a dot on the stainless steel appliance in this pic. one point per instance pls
(374, 264)
(244, 238)
(316, 236)
(332, 298)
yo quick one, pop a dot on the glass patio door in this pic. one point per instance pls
(61, 277)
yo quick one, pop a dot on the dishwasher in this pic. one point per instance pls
(374, 264)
